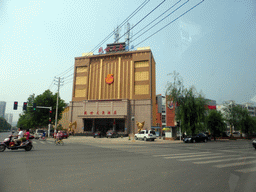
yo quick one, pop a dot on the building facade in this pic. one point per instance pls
(64, 121)
(2, 108)
(113, 91)
(9, 117)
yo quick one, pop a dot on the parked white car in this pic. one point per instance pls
(38, 133)
(146, 135)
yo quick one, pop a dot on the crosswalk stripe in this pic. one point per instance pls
(42, 142)
(215, 161)
(235, 164)
(203, 158)
(184, 156)
(248, 170)
(180, 154)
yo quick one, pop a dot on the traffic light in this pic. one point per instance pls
(34, 106)
(50, 111)
(50, 120)
(25, 106)
(15, 106)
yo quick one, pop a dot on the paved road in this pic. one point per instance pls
(88, 164)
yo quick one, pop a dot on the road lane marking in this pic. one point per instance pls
(180, 154)
(248, 170)
(185, 156)
(216, 161)
(203, 158)
(235, 164)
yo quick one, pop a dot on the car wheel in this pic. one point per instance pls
(205, 140)
(153, 139)
(193, 140)
(136, 138)
(145, 139)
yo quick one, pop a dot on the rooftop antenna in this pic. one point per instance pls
(129, 35)
(116, 34)
(127, 39)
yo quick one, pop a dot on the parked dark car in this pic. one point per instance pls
(209, 136)
(99, 134)
(111, 134)
(197, 138)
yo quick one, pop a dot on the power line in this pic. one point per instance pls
(170, 22)
(97, 68)
(68, 80)
(69, 75)
(65, 83)
(156, 19)
(66, 71)
(51, 84)
(123, 23)
(126, 20)
(143, 18)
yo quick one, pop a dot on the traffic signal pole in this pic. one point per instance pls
(42, 107)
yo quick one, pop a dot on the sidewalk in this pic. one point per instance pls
(124, 140)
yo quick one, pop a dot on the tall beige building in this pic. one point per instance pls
(113, 91)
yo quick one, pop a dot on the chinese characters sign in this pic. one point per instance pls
(99, 113)
(113, 48)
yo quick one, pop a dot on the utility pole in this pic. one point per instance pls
(57, 105)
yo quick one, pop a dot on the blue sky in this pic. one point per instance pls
(212, 46)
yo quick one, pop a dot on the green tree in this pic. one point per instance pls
(245, 123)
(215, 123)
(239, 118)
(40, 117)
(190, 108)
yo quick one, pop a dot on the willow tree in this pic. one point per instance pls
(190, 106)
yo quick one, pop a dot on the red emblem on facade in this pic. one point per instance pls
(85, 113)
(109, 79)
(114, 112)
(108, 112)
(103, 112)
(97, 112)
(91, 113)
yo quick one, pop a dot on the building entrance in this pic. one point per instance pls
(88, 124)
(104, 125)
